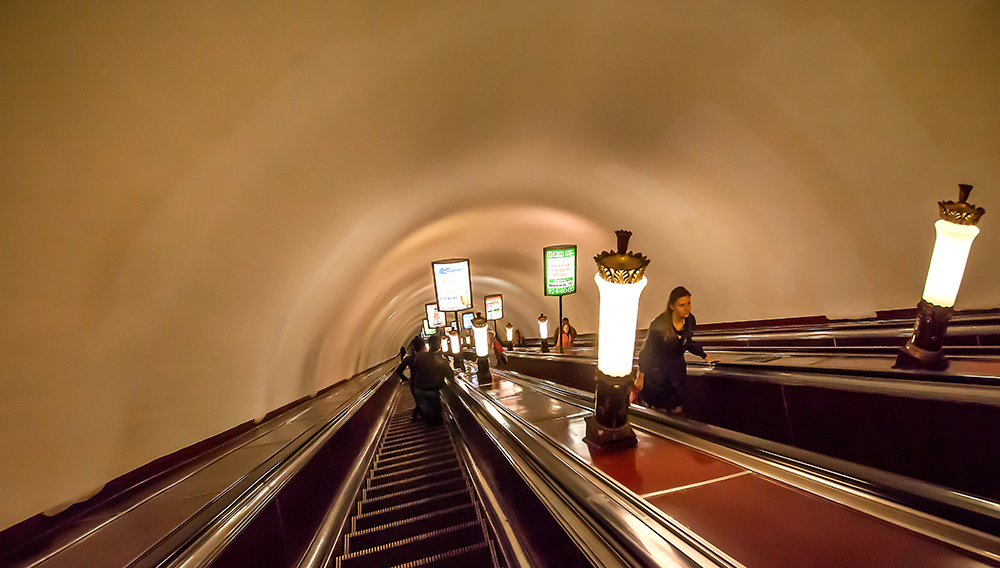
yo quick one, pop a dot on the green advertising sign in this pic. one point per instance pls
(560, 270)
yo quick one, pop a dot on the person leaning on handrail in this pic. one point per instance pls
(662, 369)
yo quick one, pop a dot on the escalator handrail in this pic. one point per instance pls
(211, 536)
(319, 553)
(650, 536)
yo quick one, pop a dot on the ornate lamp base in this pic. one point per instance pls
(923, 349)
(483, 372)
(609, 426)
(609, 438)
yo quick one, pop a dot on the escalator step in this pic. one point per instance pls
(400, 434)
(412, 526)
(408, 495)
(429, 453)
(477, 555)
(417, 461)
(391, 451)
(415, 548)
(418, 438)
(415, 470)
(410, 482)
(377, 517)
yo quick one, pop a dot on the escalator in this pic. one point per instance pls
(416, 506)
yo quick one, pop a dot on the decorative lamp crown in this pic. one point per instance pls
(961, 212)
(479, 320)
(624, 266)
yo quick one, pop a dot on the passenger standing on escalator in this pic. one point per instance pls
(662, 369)
(428, 373)
(416, 346)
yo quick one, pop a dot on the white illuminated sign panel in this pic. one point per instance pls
(428, 330)
(560, 270)
(494, 307)
(452, 284)
(435, 318)
(467, 320)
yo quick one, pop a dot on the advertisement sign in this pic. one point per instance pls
(452, 284)
(428, 330)
(560, 270)
(435, 318)
(494, 307)
(467, 320)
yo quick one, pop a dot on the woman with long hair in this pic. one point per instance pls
(662, 369)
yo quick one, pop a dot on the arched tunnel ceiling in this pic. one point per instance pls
(210, 210)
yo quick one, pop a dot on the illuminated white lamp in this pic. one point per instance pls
(956, 229)
(543, 332)
(620, 280)
(482, 348)
(510, 334)
(456, 349)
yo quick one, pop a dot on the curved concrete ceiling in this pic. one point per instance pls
(210, 210)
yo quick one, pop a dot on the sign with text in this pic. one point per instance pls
(467, 320)
(428, 330)
(435, 318)
(452, 284)
(494, 306)
(560, 270)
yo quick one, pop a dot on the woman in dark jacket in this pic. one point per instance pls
(661, 360)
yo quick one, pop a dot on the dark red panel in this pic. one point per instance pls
(655, 464)
(502, 388)
(536, 407)
(763, 523)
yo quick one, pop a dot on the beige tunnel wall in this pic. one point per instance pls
(211, 209)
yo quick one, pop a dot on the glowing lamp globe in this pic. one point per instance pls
(479, 331)
(616, 326)
(510, 333)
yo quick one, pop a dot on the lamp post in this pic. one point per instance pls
(620, 281)
(482, 348)
(456, 349)
(956, 229)
(543, 332)
(510, 335)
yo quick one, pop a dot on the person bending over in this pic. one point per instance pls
(428, 373)
(662, 369)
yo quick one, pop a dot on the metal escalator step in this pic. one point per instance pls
(387, 515)
(415, 461)
(411, 439)
(415, 470)
(412, 526)
(416, 547)
(475, 556)
(401, 433)
(429, 453)
(411, 447)
(441, 474)
(407, 495)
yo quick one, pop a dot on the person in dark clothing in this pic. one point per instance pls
(427, 375)
(417, 344)
(662, 369)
